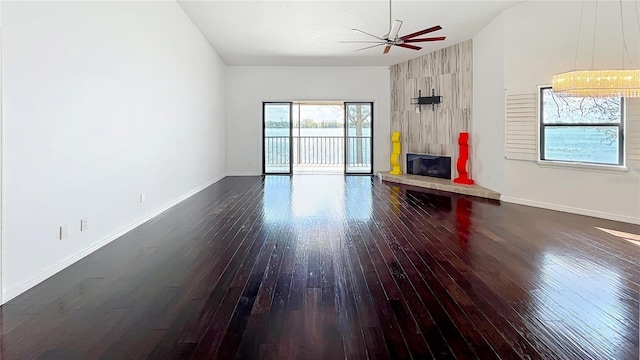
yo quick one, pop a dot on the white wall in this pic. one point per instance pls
(540, 40)
(102, 101)
(248, 87)
(487, 125)
(1, 166)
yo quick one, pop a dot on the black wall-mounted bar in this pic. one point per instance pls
(427, 100)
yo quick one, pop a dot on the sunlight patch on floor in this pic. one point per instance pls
(632, 238)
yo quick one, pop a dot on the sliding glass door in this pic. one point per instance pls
(316, 145)
(358, 137)
(277, 133)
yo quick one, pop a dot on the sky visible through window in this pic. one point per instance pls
(318, 113)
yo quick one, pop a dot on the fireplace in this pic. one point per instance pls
(429, 165)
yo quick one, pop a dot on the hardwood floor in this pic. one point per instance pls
(334, 267)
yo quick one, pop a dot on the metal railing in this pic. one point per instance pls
(359, 154)
(276, 151)
(318, 151)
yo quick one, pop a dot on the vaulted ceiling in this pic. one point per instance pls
(309, 32)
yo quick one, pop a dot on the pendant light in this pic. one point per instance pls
(600, 83)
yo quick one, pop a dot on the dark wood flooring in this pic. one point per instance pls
(335, 267)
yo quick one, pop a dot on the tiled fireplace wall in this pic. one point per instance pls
(449, 72)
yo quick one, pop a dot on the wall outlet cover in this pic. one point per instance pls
(65, 231)
(84, 224)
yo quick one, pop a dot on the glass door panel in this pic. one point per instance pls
(359, 138)
(277, 125)
(318, 137)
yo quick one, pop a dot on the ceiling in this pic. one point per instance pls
(308, 32)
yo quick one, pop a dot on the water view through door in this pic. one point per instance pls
(277, 132)
(359, 134)
(320, 138)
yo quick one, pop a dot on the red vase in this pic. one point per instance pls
(463, 175)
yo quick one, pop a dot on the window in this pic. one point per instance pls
(582, 130)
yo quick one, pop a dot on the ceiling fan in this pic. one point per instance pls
(392, 38)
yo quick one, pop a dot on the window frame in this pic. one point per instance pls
(541, 137)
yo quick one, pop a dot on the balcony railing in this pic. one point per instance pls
(318, 151)
(359, 154)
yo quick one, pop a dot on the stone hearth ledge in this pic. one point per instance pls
(439, 184)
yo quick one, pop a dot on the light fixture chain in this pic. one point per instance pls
(637, 22)
(595, 25)
(625, 49)
(624, 40)
(389, 15)
(575, 60)
(637, 14)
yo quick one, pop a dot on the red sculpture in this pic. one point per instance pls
(463, 175)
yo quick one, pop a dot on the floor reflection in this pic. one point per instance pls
(463, 221)
(586, 304)
(429, 199)
(331, 197)
(317, 196)
(359, 197)
(276, 202)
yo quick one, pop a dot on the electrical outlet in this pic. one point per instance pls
(65, 231)
(84, 224)
(142, 197)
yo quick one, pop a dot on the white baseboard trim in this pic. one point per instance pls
(570, 209)
(23, 286)
(243, 174)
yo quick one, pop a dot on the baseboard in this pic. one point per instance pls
(243, 174)
(21, 287)
(573, 210)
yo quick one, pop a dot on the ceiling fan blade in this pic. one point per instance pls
(366, 33)
(440, 38)
(369, 47)
(422, 32)
(386, 49)
(360, 42)
(393, 33)
(409, 46)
